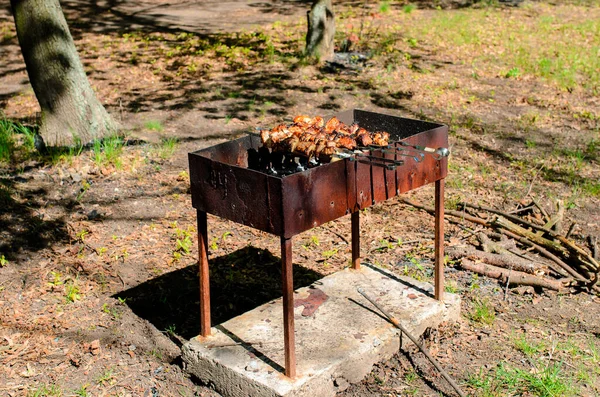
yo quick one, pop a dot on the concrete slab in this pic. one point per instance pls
(339, 336)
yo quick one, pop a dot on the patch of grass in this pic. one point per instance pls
(591, 188)
(7, 142)
(408, 8)
(384, 7)
(45, 391)
(63, 155)
(452, 287)
(542, 381)
(486, 37)
(482, 312)
(513, 73)
(528, 347)
(166, 148)
(154, 125)
(108, 151)
(82, 391)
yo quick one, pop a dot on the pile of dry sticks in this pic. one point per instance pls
(566, 265)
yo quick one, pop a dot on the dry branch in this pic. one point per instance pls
(504, 223)
(513, 277)
(505, 261)
(583, 267)
(583, 257)
(542, 210)
(547, 254)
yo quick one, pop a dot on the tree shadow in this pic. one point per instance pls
(239, 282)
(22, 224)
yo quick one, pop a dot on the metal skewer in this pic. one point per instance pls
(397, 324)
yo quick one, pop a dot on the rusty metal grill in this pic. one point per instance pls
(236, 180)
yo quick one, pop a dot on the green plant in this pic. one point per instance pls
(514, 72)
(482, 312)
(451, 286)
(106, 377)
(55, 279)
(108, 151)
(72, 291)
(167, 148)
(7, 142)
(330, 253)
(384, 7)
(542, 381)
(82, 391)
(85, 186)
(183, 241)
(385, 245)
(170, 330)
(45, 391)
(408, 8)
(527, 347)
(153, 125)
(3, 261)
(112, 311)
(81, 235)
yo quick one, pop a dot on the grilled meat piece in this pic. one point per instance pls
(346, 141)
(332, 124)
(381, 138)
(313, 137)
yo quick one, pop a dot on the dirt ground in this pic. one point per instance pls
(98, 288)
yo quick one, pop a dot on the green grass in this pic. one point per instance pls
(482, 312)
(6, 140)
(45, 391)
(166, 148)
(487, 38)
(108, 151)
(408, 8)
(542, 381)
(154, 125)
(528, 347)
(14, 137)
(384, 7)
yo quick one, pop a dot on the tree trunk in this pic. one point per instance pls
(71, 113)
(321, 30)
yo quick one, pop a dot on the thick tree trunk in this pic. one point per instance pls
(71, 113)
(321, 30)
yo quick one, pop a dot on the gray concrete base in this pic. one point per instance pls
(339, 336)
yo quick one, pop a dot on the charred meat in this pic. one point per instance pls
(313, 137)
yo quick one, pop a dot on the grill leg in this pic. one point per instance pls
(204, 275)
(439, 240)
(287, 276)
(355, 219)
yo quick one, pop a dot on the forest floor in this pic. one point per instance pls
(98, 274)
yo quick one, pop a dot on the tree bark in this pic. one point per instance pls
(71, 113)
(321, 30)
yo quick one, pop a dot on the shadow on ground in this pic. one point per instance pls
(239, 282)
(22, 227)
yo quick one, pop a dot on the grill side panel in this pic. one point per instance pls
(240, 195)
(314, 197)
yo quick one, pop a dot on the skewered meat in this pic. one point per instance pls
(313, 137)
